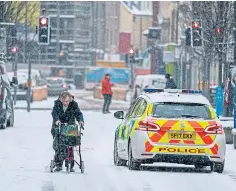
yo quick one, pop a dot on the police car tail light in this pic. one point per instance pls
(148, 125)
(215, 129)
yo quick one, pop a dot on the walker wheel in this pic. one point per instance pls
(82, 166)
(52, 165)
(68, 167)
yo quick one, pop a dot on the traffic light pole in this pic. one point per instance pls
(132, 73)
(234, 32)
(131, 65)
(15, 74)
(220, 74)
(27, 60)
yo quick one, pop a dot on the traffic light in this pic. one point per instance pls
(14, 50)
(131, 55)
(188, 37)
(44, 31)
(197, 33)
(219, 34)
(131, 52)
(154, 33)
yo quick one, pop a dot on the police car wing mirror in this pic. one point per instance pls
(119, 115)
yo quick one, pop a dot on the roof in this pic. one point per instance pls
(177, 98)
(134, 11)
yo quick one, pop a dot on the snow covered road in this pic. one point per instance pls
(26, 151)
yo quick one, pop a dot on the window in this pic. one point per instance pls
(43, 49)
(160, 83)
(176, 110)
(53, 22)
(51, 51)
(139, 108)
(52, 6)
(82, 24)
(132, 108)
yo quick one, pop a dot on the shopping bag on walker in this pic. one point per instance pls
(69, 130)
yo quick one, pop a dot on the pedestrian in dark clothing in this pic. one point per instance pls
(65, 110)
(107, 93)
(170, 83)
(137, 92)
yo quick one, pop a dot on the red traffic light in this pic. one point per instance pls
(196, 25)
(62, 53)
(219, 30)
(131, 51)
(14, 49)
(43, 21)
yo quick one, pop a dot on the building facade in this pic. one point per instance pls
(112, 27)
(134, 21)
(98, 28)
(71, 23)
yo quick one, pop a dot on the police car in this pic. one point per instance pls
(172, 126)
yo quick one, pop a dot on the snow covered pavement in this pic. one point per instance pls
(26, 151)
(84, 98)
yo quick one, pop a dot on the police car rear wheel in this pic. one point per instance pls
(219, 167)
(132, 165)
(117, 160)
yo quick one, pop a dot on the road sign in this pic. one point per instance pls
(168, 56)
(219, 100)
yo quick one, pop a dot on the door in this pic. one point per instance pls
(129, 127)
(122, 136)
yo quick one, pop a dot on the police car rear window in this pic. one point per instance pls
(181, 110)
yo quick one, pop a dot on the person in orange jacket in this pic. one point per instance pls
(107, 93)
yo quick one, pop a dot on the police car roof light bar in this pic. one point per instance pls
(152, 90)
(183, 91)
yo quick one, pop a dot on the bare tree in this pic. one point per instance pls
(14, 11)
(216, 15)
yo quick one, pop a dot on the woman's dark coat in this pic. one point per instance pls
(71, 114)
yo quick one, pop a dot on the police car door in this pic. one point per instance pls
(130, 125)
(122, 143)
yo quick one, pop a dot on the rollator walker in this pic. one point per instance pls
(70, 137)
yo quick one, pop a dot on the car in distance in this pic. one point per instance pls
(56, 85)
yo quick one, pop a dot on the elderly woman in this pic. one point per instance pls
(65, 110)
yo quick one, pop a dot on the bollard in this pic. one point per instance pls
(234, 129)
(219, 101)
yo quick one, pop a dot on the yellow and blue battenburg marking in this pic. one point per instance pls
(131, 126)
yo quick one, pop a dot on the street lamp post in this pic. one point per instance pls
(15, 52)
